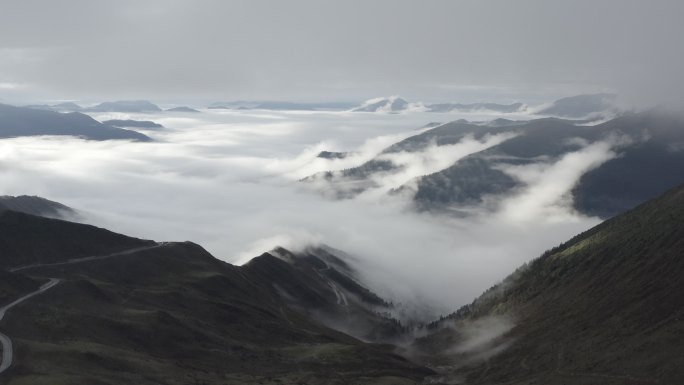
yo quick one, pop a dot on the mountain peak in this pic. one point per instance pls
(125, 106)
(35, 205)
(25, 121)
(383, 104)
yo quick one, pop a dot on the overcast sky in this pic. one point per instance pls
(343, 50)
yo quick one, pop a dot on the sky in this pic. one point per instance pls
(344, 50)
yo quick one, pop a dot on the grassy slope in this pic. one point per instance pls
(26, 239)
(606, 307)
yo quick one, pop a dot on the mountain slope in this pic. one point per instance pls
(320, 284)
(125, 106)
(649, 160)
(643, 170)
(182, 109)
(353, 181)
(635, 157)
(280, 106)
(35, 206)
(388, 104)
(476, 107)
(26, 239)
(605, 307)
(171, 313)
(24, 121)
(132, 123)
(581, 106)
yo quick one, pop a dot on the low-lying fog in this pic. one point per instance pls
(228, 181)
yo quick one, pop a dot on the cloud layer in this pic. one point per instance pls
(228, 180)
(340, 50)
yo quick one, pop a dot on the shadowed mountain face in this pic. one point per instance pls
(581, 106)
(647, 159)
(605, 307)
(60, 107)
(132, 123)
(182, 109)
(353, 181)
(172, 313)
(332, 155)
(642, 171)
(24, 121)
(26, 239)
(398, 104)
(475, 107)
(391, 104)
(125, 106)
(275, 105)
(35, 206)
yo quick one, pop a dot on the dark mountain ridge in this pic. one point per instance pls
(125, 106)
(35, 205)
(24, 121)
(132, 123)
(182, 109)
(649, 159)
(170, 313)
(582, 106)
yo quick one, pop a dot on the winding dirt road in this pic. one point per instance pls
(5, 341)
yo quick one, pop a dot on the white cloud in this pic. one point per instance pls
(228, 182)
(548, 184)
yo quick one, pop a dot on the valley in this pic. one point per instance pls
(388, 192)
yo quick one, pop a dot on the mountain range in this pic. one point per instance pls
(573, 107)
(275, 105)
(124, 106)
(25, 121)
(648, 159)
(132, 123)
(35, 205)
(394, 104)
(581, 106)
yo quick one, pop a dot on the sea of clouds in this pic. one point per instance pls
(228, 180)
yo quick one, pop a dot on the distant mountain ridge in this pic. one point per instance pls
(131, 106)
(395, 104)
(280, 105)
(581, 106)
(476, 107)
(388, 104)
(24, 121)
(574, 107)
(125, 106)
(182, 109)
(649, 161)
(132, 123)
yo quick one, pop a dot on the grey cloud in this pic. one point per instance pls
(341, 50)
